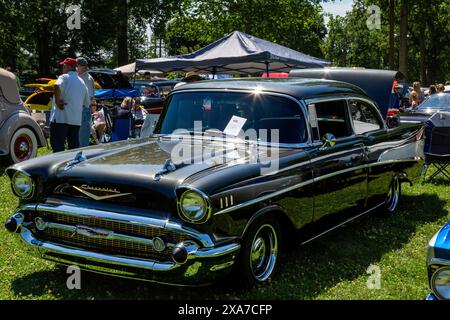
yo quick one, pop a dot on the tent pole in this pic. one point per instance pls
(135, 73)
(267, 69)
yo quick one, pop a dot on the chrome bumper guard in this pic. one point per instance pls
(199, 264)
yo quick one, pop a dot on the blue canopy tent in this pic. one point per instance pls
(237, 53)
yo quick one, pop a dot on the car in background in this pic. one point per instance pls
(154, 93)
(438, 265)
(20, 134)
(439, 102)
(193, 203)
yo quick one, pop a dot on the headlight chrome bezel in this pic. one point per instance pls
(433, 282)
(205, 216)
(32, 191)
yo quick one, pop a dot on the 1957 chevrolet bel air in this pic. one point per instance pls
(234, 169)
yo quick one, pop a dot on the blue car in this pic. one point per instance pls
(438, 265)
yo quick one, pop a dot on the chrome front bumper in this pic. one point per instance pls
(204, 262)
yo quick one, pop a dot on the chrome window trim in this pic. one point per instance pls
(347, 98)
(297, 101)
(305, 183)
(374, 108)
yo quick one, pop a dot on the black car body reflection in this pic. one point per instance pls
(197, 200)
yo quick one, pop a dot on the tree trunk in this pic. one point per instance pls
(42, 48)
(122, 33)
(423, 53)
(403, 63)
(391, 34)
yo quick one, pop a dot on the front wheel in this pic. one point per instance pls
(259, 252)
(23, 146)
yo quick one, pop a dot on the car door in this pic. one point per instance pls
(370, 129)
(340, 174)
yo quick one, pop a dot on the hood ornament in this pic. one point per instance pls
(79, 157)
(168, 167)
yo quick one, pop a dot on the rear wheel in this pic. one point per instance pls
(23, 145)
(260, 252)
(393, 196)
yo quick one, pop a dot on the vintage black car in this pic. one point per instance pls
(234, 170)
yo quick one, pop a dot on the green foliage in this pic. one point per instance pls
(297, 24)
(351, 43)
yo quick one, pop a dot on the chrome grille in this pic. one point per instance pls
(112, 246)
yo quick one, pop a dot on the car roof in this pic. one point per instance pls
(296, 87)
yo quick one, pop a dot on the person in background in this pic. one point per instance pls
(99, 124)
(125, 109)
(138, 112)
(70, 96)
(420, 96)
(415, 102)
(190, 77)
(86, 119)
(147, 76)
(396, 99)
(432, 90)
(440, 88)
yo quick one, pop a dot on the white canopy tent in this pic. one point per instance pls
(129, 69)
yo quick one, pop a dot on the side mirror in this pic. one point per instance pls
(329, 141)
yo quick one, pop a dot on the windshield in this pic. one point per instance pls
(261, 117)
(436, 102)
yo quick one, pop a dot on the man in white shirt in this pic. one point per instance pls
(86, 119)
(71, 94)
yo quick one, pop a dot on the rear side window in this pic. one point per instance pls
(364, 117)
(332, 118)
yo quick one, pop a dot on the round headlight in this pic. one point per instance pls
(194, 207)
(23, 185)
(441, 283)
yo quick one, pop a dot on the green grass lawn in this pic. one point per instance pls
(333, 267)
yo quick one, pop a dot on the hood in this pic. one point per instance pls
(137, 163)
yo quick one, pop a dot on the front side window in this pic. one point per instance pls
(365, 119)
(262, 114)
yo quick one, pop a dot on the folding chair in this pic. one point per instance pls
(437, 146)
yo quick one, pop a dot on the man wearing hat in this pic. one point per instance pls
(71, 95)
(85, 129)
(191, 76)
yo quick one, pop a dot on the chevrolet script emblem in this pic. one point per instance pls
(92, 233)
(100, 193)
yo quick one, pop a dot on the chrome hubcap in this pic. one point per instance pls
(393, 195)
(264, 253)
(23, 147)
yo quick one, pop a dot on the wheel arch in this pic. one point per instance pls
(277, 212)
(15, 122)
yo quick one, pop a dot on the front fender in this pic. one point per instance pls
(15, 121)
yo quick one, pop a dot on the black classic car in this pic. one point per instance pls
(235, 169)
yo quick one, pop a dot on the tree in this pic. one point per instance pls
(297, 24)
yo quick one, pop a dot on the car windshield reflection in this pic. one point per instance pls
(262, 117)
